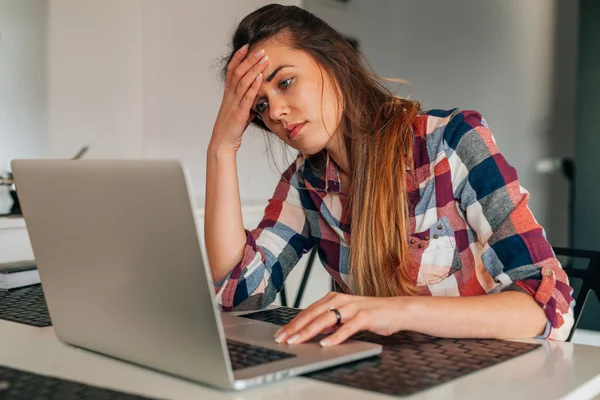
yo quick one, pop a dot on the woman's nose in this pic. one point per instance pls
(278, 110)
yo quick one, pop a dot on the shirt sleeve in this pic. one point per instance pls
(272, 250)
(515, 250)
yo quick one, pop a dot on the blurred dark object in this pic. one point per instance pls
(550, 165)
(80, 153)
(566, 166)
(8, 180)
(16, 207)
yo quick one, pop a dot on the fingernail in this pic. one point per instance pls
(244, 47)
(277, 332)
(263, 60)
(259, 77)
(293, 339)
(260, 53)
(281, 337)
(325, 342)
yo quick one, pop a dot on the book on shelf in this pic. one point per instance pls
(16, 274)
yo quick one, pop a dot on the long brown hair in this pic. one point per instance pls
(378, 131)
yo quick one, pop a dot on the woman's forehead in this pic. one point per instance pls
(279, 42)
(275, 51)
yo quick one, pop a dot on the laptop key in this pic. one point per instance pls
(244, 355)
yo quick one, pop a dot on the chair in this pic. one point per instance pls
(302, 287)
(590, 277)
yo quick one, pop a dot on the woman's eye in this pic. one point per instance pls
(285, 83)
(260, 107)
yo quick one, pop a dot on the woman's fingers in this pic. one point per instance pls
(320, 323)
(357, 323)
(249, 82)
(250, 95)
(329, 330)
(238, 73)
(233, 119)
(308, 315)
(235, 61)
(314, 327)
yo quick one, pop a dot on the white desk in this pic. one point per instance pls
(556, 370)
(14, 240)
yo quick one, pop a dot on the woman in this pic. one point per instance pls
(416, 215)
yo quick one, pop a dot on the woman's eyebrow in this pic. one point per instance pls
(272, 75)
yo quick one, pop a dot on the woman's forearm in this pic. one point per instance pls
(224, 233)
(505, 315)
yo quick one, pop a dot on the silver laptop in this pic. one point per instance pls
(124, 274)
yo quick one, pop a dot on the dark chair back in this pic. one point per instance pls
(589, 276)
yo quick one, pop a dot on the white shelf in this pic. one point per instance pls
(12, 223)
(254, 208)
(588, 337)
(14, 240)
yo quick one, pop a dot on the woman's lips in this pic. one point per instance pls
(296, 131)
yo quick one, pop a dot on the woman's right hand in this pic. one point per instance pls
(244, 77)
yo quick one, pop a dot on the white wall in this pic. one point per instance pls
(22, 84)
(513, 60)
(94, 82)
(137, 79)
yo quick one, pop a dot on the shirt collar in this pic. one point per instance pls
(327, 181)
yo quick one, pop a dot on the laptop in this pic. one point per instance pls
(125, 274)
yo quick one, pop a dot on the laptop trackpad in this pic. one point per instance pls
(231, 320)
(259, 333)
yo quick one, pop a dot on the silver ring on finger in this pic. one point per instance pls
(338, 316)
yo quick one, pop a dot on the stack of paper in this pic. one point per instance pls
(17, 274)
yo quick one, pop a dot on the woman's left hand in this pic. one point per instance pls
(380, 315)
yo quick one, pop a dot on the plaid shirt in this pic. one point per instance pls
(471, 231)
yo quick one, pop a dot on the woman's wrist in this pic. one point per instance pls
(406, 311)
(219, 150)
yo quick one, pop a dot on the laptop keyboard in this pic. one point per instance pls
(277, 316)
(20, 385)
(244, 355)
(410, 361)
(25, 305)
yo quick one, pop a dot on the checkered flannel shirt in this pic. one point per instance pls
(471, 231)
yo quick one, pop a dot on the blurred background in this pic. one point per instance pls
(139, 79)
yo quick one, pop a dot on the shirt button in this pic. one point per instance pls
(439, 227)
(548, 272)
(420, 245)
(412, 241)
(435, 236)
(426, 237)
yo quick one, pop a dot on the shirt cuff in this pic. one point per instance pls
(546, 332)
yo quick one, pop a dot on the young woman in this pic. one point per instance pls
(416, 215)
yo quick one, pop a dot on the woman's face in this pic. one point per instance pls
(297, 100)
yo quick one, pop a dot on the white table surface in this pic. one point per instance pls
(556, 370)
